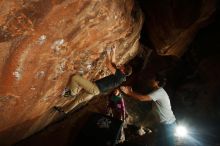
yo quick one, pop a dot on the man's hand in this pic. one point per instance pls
(126, 89)
(111, 52)
(109, 64)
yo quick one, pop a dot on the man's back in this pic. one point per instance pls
(111, 81)
(162, 106)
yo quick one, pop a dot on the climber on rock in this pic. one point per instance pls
(103, 85)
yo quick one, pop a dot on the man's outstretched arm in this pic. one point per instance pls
(109, 63)
(128, 90)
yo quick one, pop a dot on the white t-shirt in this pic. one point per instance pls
(162, 106)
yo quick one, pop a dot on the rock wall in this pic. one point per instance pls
(171, 25)
(44, 42)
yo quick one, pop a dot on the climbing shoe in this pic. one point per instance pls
(66, 92)
(59, 109)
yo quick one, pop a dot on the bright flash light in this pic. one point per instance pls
(181, 131)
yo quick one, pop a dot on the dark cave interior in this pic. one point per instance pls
(193, 81)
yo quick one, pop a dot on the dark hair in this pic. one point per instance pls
(161, 79)
(128, 70)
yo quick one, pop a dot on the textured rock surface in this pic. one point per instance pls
(171, 24)
(44, 42)
(65, 132)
